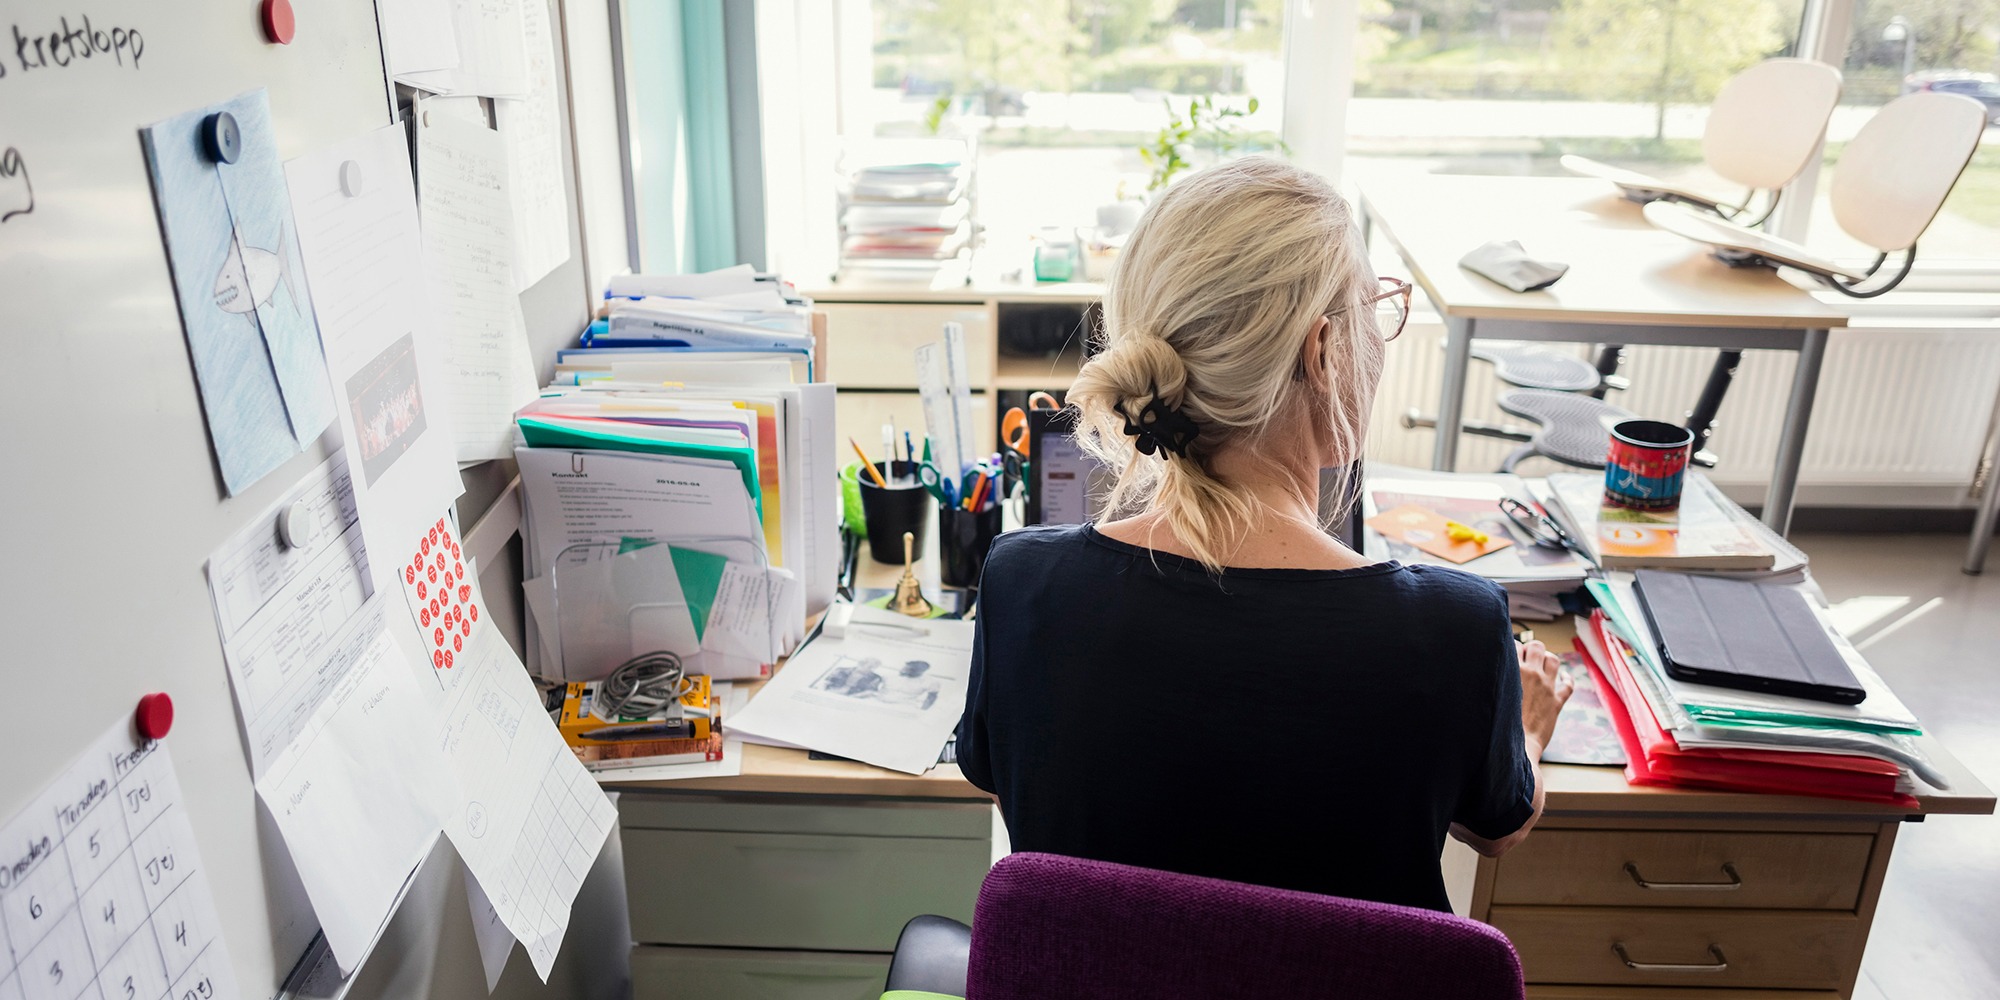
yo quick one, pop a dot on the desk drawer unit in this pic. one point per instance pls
(1617, 946)
(740, 872)
(713, 973)
(1639, 910)
(1710, 869)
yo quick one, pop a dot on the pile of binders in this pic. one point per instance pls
(678, 483)
(1680, 733)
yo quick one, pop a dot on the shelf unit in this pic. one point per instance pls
(874, 326)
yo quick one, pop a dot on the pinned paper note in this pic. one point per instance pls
(468, 253)
(104, 889)
(357, 216)
(1433, 533)
(241, 283)
(437, 585)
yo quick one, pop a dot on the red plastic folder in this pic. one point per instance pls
(1653, 758)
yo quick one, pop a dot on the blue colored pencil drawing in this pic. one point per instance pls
(250, 276)
(243, 301)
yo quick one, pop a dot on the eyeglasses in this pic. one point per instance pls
(1392, 307)
(1539, 527)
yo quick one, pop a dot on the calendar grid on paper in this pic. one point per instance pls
(101, 888)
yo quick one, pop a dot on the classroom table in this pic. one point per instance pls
(1628, 283)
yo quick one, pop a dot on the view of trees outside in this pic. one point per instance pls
(1060, 94)
(1903, 45)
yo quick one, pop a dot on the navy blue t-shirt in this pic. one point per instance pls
(1305, 729)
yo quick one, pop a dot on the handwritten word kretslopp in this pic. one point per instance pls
(64, 44)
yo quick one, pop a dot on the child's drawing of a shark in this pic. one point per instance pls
(251, 275)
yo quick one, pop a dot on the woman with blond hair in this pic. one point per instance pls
(1206, 681)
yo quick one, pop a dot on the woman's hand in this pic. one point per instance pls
(1544, 689)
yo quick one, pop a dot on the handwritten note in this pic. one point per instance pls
(353, 836)
(532, 130)
(468, 252)
(101, 887)
(492, 61)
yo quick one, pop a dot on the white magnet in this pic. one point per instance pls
(295, 525)
(350, 179)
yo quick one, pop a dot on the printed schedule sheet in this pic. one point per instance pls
(102, 893)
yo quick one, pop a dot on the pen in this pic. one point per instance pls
(889, 447)
(909, 449)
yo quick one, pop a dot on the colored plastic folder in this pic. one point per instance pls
(1654, 758)
(542, 433)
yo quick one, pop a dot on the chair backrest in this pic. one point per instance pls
(1897, 171)
(1766, 123)
(1048, 927)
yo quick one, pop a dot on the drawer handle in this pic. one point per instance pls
(1716, 950)
(1728, 868)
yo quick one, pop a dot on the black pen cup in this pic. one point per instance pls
(903, 506)
(963, 540)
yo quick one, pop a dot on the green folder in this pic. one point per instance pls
(699, 573)
(1722, 715)
(542, 434)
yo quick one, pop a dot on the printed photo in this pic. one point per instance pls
(870, 679)
(388, 408)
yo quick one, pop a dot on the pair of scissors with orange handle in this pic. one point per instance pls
(1014, 426)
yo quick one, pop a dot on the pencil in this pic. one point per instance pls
(873, 472)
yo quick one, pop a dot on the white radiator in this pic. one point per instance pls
(1901, 415)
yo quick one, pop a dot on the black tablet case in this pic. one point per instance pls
(1738, 634)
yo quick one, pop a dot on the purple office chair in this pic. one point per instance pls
(1048, 927)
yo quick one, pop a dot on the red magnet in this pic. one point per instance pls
(279, 22)
(156, 715)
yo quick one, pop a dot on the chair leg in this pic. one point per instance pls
(1414, 418)
(1516, 457)
(1610, 357)
(1701, 420)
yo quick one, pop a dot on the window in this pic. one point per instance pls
(1899, 47)
(1058, 95)
(1511, 86)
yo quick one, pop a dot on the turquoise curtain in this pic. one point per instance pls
(677, 73)
(711, 195)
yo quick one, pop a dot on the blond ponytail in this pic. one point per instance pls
(1205, 319)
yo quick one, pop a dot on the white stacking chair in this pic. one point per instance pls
(1762, 130)
(1890, 182)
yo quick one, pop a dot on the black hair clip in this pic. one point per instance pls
(1162, 428)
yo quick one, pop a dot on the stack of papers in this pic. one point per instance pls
(906, 202)
(1533, 575)
(1708, 533)
(731, 309)
(724, 456)
(1684, 733)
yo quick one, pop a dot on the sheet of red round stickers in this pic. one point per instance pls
(441, 595)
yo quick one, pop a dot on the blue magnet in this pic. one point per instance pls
(221, 137)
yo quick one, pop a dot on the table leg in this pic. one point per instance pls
(1982, 527)
(1451, 395)
(1792, 440)
(1989, 505)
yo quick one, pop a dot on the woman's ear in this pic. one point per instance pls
(1312, 355)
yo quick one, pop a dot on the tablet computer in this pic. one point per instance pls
(1744, 635)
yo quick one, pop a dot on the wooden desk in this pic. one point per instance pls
(1811, 869)
(1628, 283)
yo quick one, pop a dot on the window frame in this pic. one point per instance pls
(1319, 91)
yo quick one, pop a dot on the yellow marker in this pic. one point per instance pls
(1465, 533)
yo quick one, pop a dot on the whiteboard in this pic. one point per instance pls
(111, 501)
